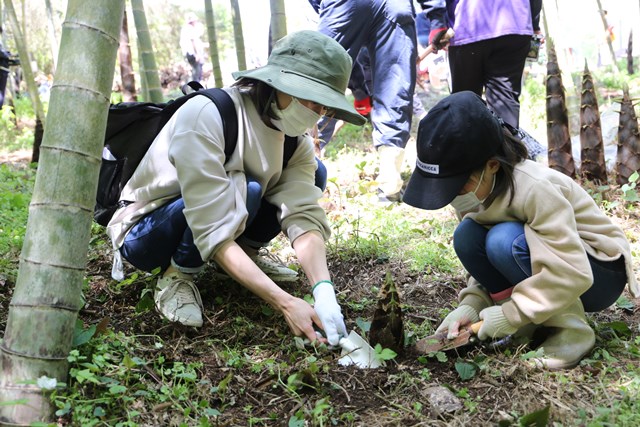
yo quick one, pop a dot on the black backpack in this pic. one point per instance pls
(133, 126)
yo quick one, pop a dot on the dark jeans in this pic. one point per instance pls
(163, 235)
(495, 65)
(4, 64)
(499, 259)
(196, 68)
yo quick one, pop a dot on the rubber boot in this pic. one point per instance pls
(390, 164)
(569, 341)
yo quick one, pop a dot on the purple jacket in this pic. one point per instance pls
(476, 20)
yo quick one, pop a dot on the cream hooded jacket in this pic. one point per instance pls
(187, 158)
(562, 224)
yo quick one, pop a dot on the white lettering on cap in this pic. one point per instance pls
(427, 167)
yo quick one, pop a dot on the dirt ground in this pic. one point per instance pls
(407, 392)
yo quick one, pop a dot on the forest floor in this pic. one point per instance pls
(249, 370)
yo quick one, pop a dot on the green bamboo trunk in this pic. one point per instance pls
(237, 35)
(278, 26)
(127, 76)
(25, 64)
(213, 42)
(152, 78)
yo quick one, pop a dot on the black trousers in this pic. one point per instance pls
(495, 66)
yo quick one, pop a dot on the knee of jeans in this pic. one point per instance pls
(254, 196)
(502, 238)
(463, 236)
(254, 190)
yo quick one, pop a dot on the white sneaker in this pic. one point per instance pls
(273, 267)
(178, 299)
(270, 265)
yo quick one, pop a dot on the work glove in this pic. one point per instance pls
(465, 314)
(329, 312)
(363, 106)
(435, 38)
(495, 324)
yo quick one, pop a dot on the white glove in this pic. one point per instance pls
(495, 324)
(329, 312)
(465, 314)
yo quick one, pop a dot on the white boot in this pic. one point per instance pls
(390, 164)
(571, 339)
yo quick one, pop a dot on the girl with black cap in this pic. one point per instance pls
(537, 248)
(188, 206)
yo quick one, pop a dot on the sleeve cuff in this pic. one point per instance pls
(475, 297)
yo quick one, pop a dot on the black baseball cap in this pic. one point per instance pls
(456, 137)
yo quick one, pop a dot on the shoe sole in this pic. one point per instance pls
(174, 319)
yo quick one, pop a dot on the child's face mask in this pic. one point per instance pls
(469, 202)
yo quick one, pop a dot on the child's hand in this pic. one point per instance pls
(495, 324)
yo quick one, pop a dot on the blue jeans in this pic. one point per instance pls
(499, 258)
(163, 235)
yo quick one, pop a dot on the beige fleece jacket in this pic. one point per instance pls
(187, 158)
(562, 225)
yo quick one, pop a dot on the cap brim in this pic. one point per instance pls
(305, 88)
(428, 192)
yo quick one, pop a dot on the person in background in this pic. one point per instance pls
(360, 87)
(489, 47)
(185, 206)
(192, 45)
(538, 250)
(387, 29)
(360, 84)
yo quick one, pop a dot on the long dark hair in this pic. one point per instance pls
(262, 96)
(511, 152)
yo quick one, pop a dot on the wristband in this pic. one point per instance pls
(320, 283)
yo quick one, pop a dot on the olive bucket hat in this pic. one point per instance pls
(312, 66)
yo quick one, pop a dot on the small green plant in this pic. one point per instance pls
(16, 186)
(13, 135)
(629, 191)
(384, 353)
(108, 383)
(466, 370)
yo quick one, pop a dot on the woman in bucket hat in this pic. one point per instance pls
(537, 248)
(193, 207)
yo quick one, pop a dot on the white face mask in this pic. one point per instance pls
(469, 202)
(296, 118)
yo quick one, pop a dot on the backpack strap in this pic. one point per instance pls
(227, 110)
(290, 146)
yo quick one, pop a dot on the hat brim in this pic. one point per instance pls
(304, 88)
(431, 193)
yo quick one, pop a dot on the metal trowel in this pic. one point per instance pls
(357, 351)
